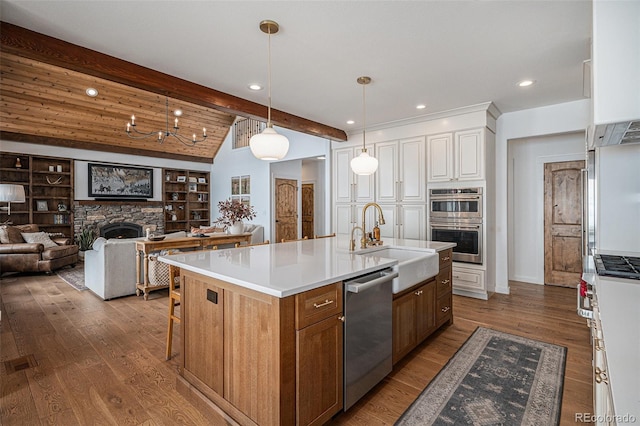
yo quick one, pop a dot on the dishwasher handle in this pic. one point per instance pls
(355, 287)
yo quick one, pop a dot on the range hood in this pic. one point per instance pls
(614, 133)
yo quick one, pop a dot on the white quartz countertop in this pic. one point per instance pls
(285, 269)
(619, 304)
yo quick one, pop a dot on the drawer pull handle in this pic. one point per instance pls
(418, 293)
(601, 376)
(445, 281)
(320, 305)
(445, 309)
(445, 258)
(341, 318)
(598, 344)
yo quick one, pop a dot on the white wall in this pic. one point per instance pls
(550, 120)
(238, 162)
(526, 198)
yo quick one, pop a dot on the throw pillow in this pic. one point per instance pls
(10, 235)
(39, 237)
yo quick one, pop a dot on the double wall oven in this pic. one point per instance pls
(455, 215)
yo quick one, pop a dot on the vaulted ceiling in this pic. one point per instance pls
(43, 97)
(440, 53)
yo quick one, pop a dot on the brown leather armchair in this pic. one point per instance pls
(16, 255)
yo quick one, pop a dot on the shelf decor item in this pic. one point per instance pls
(232, 213)
(112, 180)
(41, 205)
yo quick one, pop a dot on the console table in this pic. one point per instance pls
(145, 247)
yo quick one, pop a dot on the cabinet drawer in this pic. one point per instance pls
(315, 305)
(444, 308)
(443, 281)
(445, 258)
(468, 278)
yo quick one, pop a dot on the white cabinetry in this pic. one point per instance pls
(458, 156)
(347, 186)
(404, 221)
(469, 281)
(602, 397)
(401, 171)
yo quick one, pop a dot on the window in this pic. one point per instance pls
(243, 129)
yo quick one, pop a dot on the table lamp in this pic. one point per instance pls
(11, 193)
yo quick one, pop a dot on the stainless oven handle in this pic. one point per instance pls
(461, 227)
(360, 287)
(585, 197)
(455, 197)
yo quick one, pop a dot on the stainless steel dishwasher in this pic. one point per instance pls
(367, 333)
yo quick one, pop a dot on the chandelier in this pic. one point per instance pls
(269, 144)
(162, 135)
(364, 164)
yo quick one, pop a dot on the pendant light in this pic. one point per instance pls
(269, 145)
(364, 164)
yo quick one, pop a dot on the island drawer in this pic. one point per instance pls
(445, 257)
(443, 280)
(443, 309)
(317, 304)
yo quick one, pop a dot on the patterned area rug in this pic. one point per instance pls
(494, 378)
(73, 276)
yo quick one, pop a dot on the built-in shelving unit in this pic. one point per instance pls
(185, 194)
(49, 189)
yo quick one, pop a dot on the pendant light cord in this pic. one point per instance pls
(364, 120)
(269, 79)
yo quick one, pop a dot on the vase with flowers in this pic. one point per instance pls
(232, 214)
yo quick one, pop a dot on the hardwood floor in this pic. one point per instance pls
(79, 360)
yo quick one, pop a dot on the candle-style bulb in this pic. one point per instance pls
(133, 120)
(175, 125)
(159, 136)
(128, 127)
(194, 137)
(204, 132)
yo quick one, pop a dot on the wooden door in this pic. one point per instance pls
(286, 209)
(308, 209)
(563, 223)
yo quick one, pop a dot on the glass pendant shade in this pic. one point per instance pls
(364, 164)
(269, 145)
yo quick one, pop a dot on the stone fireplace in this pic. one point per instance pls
(121, 230)
(105, 216)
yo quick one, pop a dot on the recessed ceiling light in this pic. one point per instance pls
(421, 106)
(91, 92)
(177, 112)
(255, 87)
(526, 83)
(350, 121)
(322, 157)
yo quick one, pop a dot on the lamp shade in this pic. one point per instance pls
(364, 164)
(269, 145)
(12, 193)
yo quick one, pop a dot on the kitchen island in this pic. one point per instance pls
(262, 326)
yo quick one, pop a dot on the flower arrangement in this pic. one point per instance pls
(232, 211)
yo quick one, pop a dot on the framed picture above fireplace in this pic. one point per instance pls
(117, 181)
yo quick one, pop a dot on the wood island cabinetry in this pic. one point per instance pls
(422, 309)
(262, 359)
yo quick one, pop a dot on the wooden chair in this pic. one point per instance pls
(299, 239)
(265, 242)
(325, 236)
(174, 300)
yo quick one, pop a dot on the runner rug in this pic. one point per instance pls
(494, 378)
(73, 276)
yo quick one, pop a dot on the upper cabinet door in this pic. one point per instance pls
(440, 157)
(387, 174)
(412, 182)
(342, 175)
(364, 187)
(469, 155)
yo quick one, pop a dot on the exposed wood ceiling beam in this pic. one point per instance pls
(30, 44)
